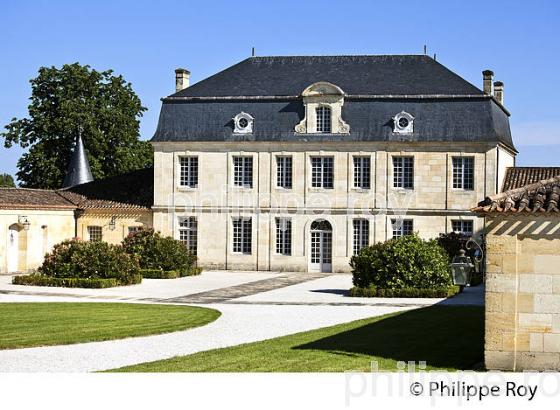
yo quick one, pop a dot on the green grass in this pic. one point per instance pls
(445, 337)
(46, 324)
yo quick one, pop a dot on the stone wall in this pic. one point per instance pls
(124, 219)
(523, 293)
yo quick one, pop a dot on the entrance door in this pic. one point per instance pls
(320, 247)
(13, 250)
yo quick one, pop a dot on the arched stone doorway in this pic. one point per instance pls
(320, 247)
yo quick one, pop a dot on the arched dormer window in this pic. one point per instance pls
(323, 110)
(323, 120)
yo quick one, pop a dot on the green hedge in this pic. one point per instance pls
(98, 283)
(192, 271)
(159, 274)
(401, 263)
(373, 292)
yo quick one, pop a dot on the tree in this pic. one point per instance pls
(73, 99)
(6, 181)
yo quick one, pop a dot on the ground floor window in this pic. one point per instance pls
(95, 233)
(283, 236)
(402, 227)
(188, 229)
(361, 234)
(462, 227)
(242, 235)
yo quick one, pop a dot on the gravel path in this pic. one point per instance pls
(238, 324)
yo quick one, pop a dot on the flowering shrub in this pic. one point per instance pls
(158, 252)
(90, 260)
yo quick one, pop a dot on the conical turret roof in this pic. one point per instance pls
(79, 171)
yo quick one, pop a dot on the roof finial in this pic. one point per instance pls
(79, 171)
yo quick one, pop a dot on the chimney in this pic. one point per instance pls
(499, 91)
(182, 77)
(487, 77)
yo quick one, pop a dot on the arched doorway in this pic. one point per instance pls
(13, 248)
(320, 249)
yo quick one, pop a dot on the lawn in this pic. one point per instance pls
(45, 324)
(445, 337)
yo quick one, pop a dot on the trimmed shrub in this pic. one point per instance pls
(158, 252)
(42, 280)
(159, 274)
(90, 260)
(405, 262)
(438, 292)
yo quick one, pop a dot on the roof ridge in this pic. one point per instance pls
(530, 187)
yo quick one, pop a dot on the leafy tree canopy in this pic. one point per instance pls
(73, 99)
(6, 181)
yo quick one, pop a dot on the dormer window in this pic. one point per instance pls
(403, 123)
(323, 120)
(243, 123)
(323, 110)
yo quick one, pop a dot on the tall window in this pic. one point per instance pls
(463, 173)
(402, 227)
(242, 235)
(283, 236)
(361, 234)
(322, 172)
(243, 172)
(95, 233)
(284, 172)
(323, 120)
(189, 172)
(403, 172)
(462, 227)
(188, 230)
(362, 166)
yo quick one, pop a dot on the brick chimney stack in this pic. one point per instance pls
(182, 77)
(487, 77)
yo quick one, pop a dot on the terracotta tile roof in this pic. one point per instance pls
(133, 190)
(22, 198)
(542, 197)
(517, 177)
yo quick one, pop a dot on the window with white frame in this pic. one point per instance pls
(362, 166)
(242, 235)
(188, 172)
(463, 173)
(95, 233)
(322, 172)
(188, 233)
(463, 227)
(243, 172)
(403, 172)
(283, 236)
(284, 172)
(402, 227)
(361, 234)
(323, 119)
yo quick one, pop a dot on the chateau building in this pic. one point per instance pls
(295, 163)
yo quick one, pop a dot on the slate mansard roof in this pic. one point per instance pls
(445, 106)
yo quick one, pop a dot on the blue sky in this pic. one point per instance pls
(146, 40)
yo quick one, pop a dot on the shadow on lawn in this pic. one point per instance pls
(442, 336)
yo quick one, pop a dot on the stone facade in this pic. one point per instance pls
(523, 293)
(432, 205)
